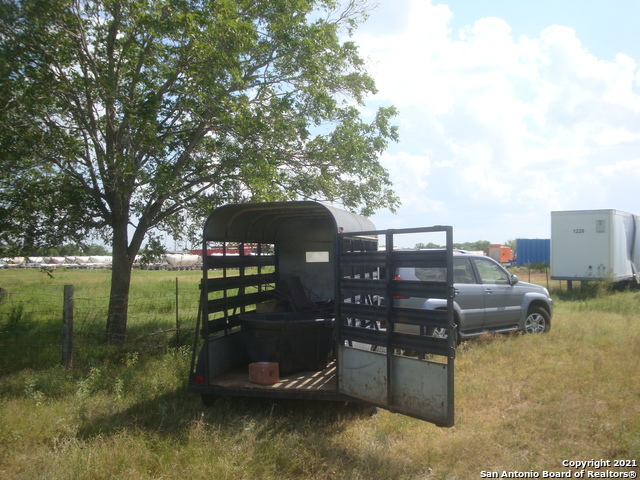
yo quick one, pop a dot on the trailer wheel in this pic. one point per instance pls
(537, 321)
(208, 399)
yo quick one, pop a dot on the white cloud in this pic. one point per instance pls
(509, 125)
(626, 168)
(410, 175)
(611, 136)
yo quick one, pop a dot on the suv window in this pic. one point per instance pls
(431, 274)
(490, 272)
(462, 272)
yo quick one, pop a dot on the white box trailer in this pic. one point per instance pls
(595, 245)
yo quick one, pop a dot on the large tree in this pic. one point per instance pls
(141, 116)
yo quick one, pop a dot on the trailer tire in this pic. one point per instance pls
(208, 399)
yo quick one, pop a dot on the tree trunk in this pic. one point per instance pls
(120, 285)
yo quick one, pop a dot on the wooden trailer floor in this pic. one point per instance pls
(323, 381)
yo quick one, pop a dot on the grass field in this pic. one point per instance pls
(523, 404)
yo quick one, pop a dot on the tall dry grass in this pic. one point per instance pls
(523, 403)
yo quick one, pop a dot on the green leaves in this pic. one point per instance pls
(149, 107)
(127, 117)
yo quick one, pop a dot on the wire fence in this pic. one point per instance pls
(33, 335)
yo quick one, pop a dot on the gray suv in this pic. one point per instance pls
(487, 298)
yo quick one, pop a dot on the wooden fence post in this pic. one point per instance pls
(67, 327)
(177, 317)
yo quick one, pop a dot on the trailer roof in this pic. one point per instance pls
(260, 222)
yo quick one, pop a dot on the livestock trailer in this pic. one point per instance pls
(310, 313)
(594, 245)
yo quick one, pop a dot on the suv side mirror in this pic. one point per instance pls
(513, 279)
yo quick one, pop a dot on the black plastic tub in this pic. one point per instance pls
(297, 341)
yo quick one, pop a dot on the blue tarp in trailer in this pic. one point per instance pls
(533, 250)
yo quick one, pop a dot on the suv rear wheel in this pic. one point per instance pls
(441, 332)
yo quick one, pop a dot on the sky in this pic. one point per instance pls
(508, 110)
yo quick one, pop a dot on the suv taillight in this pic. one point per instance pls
(398, 277)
